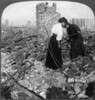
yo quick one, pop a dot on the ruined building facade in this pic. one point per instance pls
(46, 17)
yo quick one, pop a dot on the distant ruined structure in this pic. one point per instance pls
(46, 17)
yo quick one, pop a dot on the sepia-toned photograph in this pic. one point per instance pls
(48, 51)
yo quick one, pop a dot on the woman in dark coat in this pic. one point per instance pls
(77, 45)
(54, 58)
(75, 38)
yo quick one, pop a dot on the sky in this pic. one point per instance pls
(20, 13)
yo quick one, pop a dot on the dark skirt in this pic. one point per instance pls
(54, 58)
(77, 48)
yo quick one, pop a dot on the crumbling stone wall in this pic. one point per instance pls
(46, 17)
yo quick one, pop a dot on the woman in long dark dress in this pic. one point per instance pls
(75, 38)
(77, 46)
(54, 58)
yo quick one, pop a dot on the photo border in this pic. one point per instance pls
(5, 3)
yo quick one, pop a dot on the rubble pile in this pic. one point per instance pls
(25, 62)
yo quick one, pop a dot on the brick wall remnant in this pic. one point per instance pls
(46, 16)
